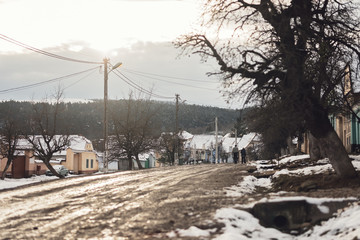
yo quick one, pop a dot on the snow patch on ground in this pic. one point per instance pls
(345, 226)
(305, 171)
(293, 159)
(12, 183)
(241, 224)
(247, 186)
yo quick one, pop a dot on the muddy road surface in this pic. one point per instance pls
(144, 204)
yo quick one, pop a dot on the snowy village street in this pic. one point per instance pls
(205, 201)
(133, 205)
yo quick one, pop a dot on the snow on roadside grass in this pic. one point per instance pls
(294, 158)
(250, 183)
(195, 232)
(13, 183)
(305, 171)
(265, 165)
(240, 224)
(356, 161)
(247, 185)
(345, 226)
(327, 167)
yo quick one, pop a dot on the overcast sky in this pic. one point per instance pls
(137, 33)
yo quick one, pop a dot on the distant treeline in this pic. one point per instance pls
(87, 118)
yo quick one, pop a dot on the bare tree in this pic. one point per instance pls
(10, 134)
(297, 53)
(133, 131)
(167, 145)
(46, 138)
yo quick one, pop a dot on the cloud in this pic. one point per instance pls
(155, 66)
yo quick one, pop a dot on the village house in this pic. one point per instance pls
(347, 125)
(79, 157)
(202, 147)
(147, 160)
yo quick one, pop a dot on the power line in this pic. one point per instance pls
(164, 76)
(43, 82)
(13, 41)
(87, 75)
(136, 86)
(182, 84)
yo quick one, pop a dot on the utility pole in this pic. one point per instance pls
(177, 113)
(177, 96)
(216, 140)
(105, 155)
(235, 136)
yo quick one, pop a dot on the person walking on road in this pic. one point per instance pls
(243, 156)
(235, 153)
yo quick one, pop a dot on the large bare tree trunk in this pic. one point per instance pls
(334, 149)
(138, 162)
(50, 167)
(5, 169)
(290, 146)
(328, 142)
(314, 149)
(129, 157)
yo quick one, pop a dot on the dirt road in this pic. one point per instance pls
(143, 204)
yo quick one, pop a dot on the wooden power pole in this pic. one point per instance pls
(177, 128)
(105, 157)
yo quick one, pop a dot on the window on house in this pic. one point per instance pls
(87, 163)
(92, 163)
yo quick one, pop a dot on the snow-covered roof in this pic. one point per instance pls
(77, 143)
(246, 140)
(202, 141)
(185, 135)
(145, 156)
(24, 144)
(229, 142)
(182, 135)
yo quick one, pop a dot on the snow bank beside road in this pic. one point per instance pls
(12, 183)
(305, 171)
(247, 186)
(240, 224)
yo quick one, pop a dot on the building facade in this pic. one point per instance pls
(79, 157)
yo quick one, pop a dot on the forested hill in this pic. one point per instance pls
(87, 118)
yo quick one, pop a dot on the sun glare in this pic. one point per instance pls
(102, 24)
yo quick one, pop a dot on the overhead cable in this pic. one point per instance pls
(77, 81)
(164, 76)
(44, 82)
(136, 86)
(177, 83)
(11, 40)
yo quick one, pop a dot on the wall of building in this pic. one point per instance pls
(88, 162)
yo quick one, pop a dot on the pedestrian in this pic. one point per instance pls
(235, 153)
(214, 155)
(243, 156)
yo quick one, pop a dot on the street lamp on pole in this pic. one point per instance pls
(106, 75)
